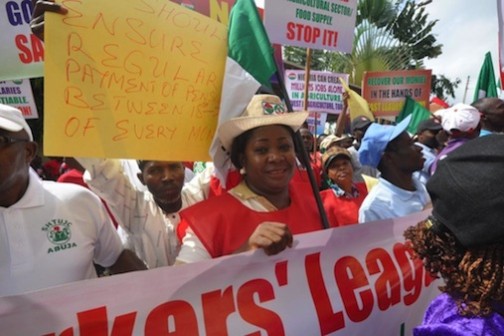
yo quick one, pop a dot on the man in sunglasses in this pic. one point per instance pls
(50, 233)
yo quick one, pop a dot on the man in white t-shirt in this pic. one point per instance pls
(50, 233)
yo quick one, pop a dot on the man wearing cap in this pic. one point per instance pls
(462, 123)
(492, 115)
(50, 233)
(392, 151)
(359, 126)
(427, 139)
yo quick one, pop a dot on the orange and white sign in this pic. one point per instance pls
(385, 91)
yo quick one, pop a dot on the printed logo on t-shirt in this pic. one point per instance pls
(59, 233)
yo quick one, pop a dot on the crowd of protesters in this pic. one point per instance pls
(124, 215)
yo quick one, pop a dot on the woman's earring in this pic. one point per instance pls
(243, 171)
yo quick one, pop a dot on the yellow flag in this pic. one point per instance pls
(358, 106)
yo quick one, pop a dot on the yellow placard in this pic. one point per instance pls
(132, 79)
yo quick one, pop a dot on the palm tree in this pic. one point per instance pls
(388, 37)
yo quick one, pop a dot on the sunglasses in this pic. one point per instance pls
(5, 140)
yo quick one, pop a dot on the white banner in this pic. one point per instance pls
(325, 92)
(18, 93)
(22, 52)
(316, 24)
(355, 280)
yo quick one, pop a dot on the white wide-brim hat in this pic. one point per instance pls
(263, 110)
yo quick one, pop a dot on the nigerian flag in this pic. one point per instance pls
(486, 86)
(249, 65)
(417, 112)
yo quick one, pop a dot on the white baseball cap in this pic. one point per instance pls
(12, 120)
(462, 117)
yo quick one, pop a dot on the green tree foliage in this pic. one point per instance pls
(443, 87)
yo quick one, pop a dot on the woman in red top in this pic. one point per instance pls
(344, 197)
(263, 211)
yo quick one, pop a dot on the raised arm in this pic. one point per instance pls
(40, 7)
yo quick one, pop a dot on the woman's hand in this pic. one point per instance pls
(38, 15)
(272, 237)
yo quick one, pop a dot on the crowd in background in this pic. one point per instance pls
(67, 219)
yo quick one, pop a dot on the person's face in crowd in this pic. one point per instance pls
(15, 159)
(429, 138)
(164, 179)
(358, 134)
(405, 154)
(340, 171)
(269, 160)
(442, 137)
(307, 139)
(494, 117)
(320, 139)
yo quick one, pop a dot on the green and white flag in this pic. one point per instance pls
(250, 64)
(486, 86)
(417, 111)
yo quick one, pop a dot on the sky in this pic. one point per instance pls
(467, 30)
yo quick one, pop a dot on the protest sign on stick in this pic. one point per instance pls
(22, 52)
(18, 93)
(140, 80)
(385, 90)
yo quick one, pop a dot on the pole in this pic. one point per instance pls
(307, 79)
(466, 87)
(306, 91)
(304, 157)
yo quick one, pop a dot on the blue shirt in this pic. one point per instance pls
(389, 201)
(484, 132)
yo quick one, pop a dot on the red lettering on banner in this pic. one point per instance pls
(329, 321)
(217, 306)
(350, 277)
(379, 261)
(354, 284)
(31, 50)
(301, 32)
(255, 314)
(428, 279)
(181, 315)
(94, 322)
(412, 271)
(387, 274)
(66, 332)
